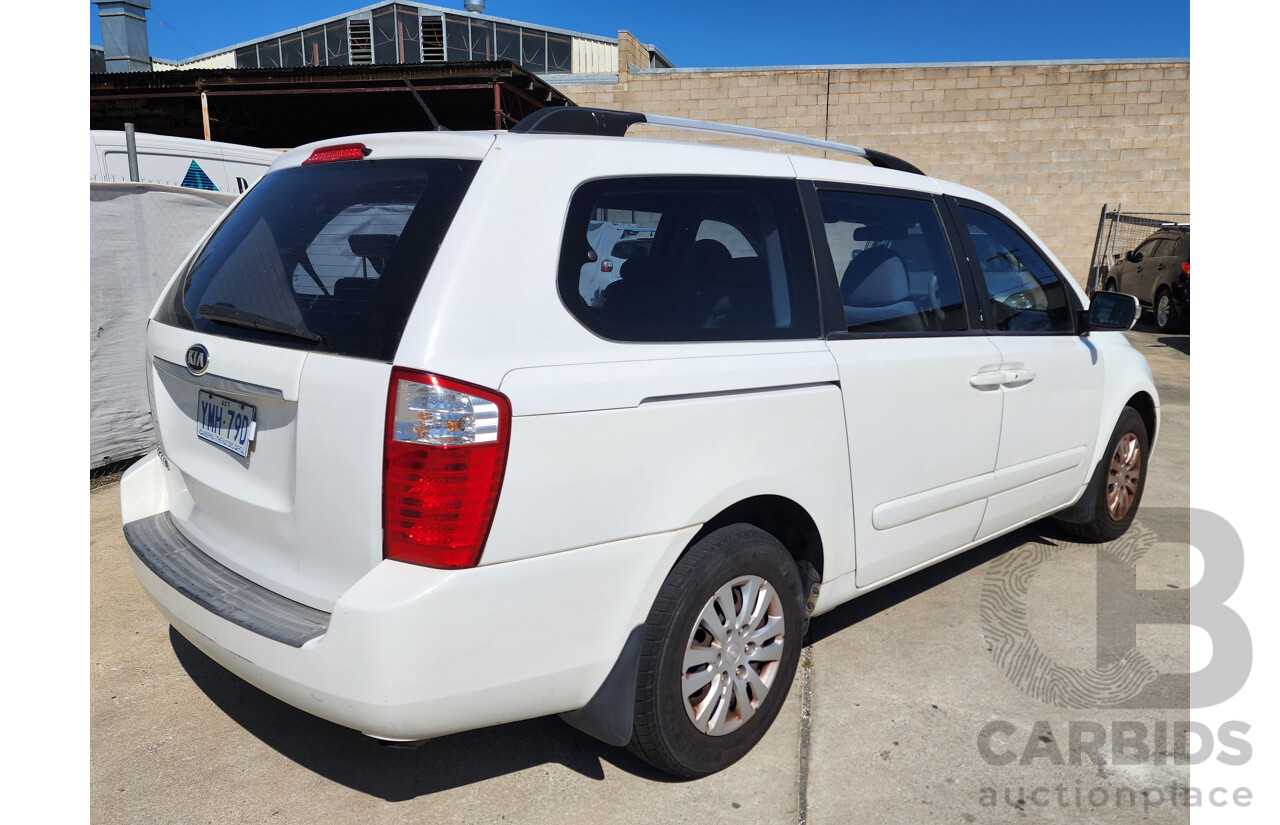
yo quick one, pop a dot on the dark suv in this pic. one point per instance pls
(1158, 272)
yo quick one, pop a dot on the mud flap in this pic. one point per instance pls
(609, 714)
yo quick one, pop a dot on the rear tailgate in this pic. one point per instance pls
(301, 514)
(269, 364)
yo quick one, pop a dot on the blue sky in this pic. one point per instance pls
(752, 33)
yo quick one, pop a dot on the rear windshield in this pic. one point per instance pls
(328, 257)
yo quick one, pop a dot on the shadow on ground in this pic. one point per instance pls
(362, 764)
(1179, 340)
(877, 601)
(347, 757)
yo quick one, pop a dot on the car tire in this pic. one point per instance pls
(706, 659)
(1166, 317)
(1117, 484)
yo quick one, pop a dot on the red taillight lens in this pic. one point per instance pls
(1186, 268)
(344, 151)
(446, 449)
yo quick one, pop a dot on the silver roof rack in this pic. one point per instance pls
(580, 120)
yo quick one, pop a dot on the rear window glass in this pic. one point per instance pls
(327, 257)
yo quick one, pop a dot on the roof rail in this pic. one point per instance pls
(581, 120)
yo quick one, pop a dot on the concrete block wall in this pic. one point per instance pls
(631, 53)
(1052, 141)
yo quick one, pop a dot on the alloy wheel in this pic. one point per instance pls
(732, 656)
(1122, 481)
(1163, 306)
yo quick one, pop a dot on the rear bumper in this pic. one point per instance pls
(412, 652)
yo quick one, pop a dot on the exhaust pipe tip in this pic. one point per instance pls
(399, 744)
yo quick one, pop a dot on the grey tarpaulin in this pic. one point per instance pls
(138, 235)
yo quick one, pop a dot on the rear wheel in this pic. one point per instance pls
(721, 648)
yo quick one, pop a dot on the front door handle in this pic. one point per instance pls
(1001, 378)
(986, 380)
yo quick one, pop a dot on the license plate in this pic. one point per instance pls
(226, 422)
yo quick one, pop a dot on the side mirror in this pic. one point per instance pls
(1112, 311)
(1133, 256)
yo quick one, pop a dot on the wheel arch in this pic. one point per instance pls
(1146, 407)
(608, 715)
(781, 518)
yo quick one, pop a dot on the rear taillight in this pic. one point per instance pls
(446, 449)
(1186, 268)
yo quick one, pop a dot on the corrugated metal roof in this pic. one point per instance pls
(420, 6)
(592, 79)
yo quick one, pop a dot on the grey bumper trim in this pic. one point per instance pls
(180, 564)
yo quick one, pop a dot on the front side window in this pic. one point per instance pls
(689, 259)
(1148, 247)
(893, 262)
(1164, 248)
(1023, 293)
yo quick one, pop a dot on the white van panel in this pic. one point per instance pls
(167, 160)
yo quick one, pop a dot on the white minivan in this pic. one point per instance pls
(415, 479)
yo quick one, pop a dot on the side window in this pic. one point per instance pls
(1164, 248)
(730, 237)
(1148, 248)
(689, 259)
(894, 265)
(1023, 292)
(354, 246)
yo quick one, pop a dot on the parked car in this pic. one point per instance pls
(1158, 272)
(436, 487)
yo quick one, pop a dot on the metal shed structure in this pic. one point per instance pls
(285, 107)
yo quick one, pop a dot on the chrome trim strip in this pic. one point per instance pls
(216, 382)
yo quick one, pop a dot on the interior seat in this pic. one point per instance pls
(877, 293)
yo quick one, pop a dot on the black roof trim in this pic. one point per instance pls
(578, 120)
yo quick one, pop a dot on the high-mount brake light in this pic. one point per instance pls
(445, 453)
(342, 151)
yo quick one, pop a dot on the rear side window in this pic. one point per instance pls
(689, 259)
(328, 257)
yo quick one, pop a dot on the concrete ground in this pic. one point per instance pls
(883, 723)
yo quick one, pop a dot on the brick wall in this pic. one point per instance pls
(1053, 141)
